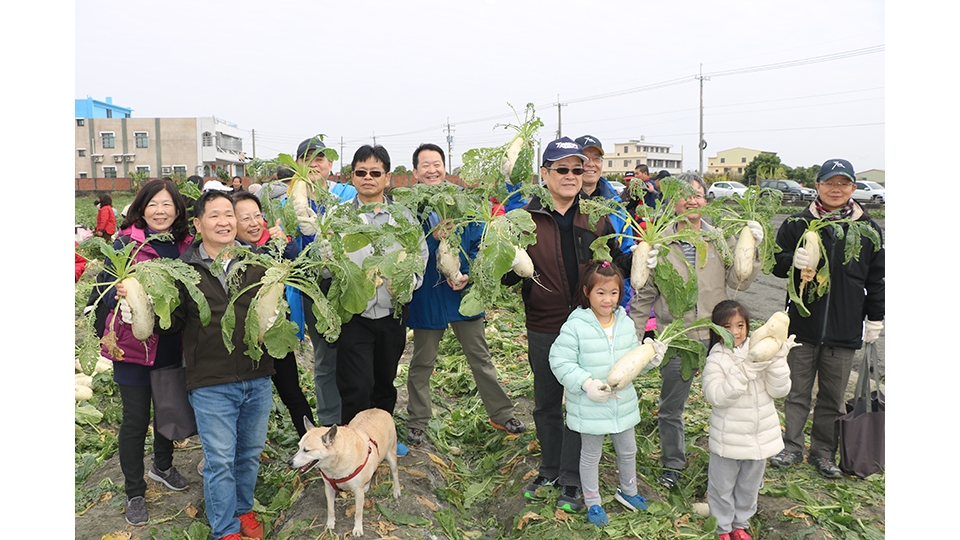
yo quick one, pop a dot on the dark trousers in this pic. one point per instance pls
(368, 353)
(287, 381)
(136, 402)
(559, 447)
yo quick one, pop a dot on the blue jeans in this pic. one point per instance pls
(232, 421)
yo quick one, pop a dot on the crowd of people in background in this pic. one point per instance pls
(580, 318)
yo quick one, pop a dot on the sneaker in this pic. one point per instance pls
(136, 513)
(786, 459)
(250, 526)
(633, 502)
(724, 536)
(597, 516)
(200, 466)
(826, 467)
(669, 478)
(530, 492)
(570, 499)
(402, 449)
(415, 436)
(740, 534)
(234, 536)
(170, 478)
(511, 426)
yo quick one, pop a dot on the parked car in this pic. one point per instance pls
(617, 186)
(869, 192)
(725, 189)
(792, 190)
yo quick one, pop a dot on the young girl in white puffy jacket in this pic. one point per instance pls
(744, 426)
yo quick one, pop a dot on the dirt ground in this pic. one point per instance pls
(419, 476)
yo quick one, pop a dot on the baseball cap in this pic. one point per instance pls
(562, 148)
(309, 147)
(217, 185)
(833, 167)
(587, 141)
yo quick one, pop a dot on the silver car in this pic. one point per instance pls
(725, 188)
(869, 192)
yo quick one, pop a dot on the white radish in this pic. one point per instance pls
(743, 255)
(84, 380)
(764, 349)
(81, 392)
(629, 366)
(510, 159)
(776, 326)
(140, 309)
(299, 195)
(268, 307)
(103, 364)
(522, 263)
(701, 509)
(811, 244)
(448, 263)
(639, 271)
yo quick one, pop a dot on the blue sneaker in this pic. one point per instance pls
(597, 516)
(633, 502)
(402, 449)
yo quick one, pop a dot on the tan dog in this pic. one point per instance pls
(348, 456)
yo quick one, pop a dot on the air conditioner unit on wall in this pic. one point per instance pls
(97, 158)
(118, 158)
(130, 157)
(166, 170)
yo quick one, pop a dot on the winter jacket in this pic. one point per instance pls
(106, 221)
(548, 303)
(856, 288)
(435, 304)
(619, 222)
(713, 278)
(582, 351)
(207, 360)
(80, 263)
(159, 351)
(744, 422)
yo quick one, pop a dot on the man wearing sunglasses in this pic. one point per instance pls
(562, 250)
(436, 305)
(371, 343)
(839, 323)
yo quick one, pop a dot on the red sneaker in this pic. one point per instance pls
(234, 536)
(724, 536)
(251, 527)
(740, 534)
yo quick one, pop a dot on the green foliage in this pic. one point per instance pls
(401, 170)
(756, 204)
(137, 178)
(762, 166)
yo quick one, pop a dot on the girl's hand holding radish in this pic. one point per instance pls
(785, 348)
(597, 390)
(660, 349)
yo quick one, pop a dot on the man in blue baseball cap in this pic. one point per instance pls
(564, 235)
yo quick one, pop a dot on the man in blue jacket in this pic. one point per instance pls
(435, 305)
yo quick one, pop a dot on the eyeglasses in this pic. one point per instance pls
(577, 171)
(841, 185)
(373, 174)
(247, 218)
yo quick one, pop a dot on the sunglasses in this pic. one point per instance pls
(577, 171)
(373, 174)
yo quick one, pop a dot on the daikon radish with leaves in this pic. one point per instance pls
(448, 263)
(522, 264)
(510, 158)
(81, 392)
(764, 349)
(811, 244)
(766, 341)
(268, 307)
(743, 254)
(639, 271)
(140, 309)
(629, 366)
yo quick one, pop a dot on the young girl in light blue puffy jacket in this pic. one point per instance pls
(594, 337)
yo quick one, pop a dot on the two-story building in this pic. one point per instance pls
(112, 144)
(731, 163)
(625, 156)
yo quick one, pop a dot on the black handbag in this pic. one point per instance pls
(172, 413)
(861, 430)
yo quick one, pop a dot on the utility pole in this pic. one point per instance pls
(341, 153)
(449, 143)
(253, 138)
(559, 123)
(375, 140)
(702, 144)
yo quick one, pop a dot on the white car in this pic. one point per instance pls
(617, 186)
(725, 189)
(869, 192)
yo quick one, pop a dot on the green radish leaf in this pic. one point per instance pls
(87, 414)
(354, 242)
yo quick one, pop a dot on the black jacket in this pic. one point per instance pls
(207, 360)
(856, 289)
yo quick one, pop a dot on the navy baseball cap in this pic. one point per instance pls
(587, 141)
(562, 148)
(833, 167)
(309, 147)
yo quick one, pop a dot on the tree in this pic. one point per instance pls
(765, 165)
(803, 175)
(401, 170)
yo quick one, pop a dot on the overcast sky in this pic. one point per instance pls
(399, 70)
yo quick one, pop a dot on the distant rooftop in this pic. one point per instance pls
(94, 108)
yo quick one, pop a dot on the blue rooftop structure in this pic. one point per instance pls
(93, 108)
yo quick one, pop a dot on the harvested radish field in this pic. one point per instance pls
(466, 479)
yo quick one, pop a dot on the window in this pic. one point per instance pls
(207, 139)
(740, 169)
(743, 160)
(144, 169)
(83, 175)
(109, 171)
(626, 149)
(141, 138)
(626, 163)
(109, 113)
(107, 138)
(723, 160)
(609, 163)
(81, 152)
(180, 170)
(79, 122)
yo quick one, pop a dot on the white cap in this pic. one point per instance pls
(216, 184)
